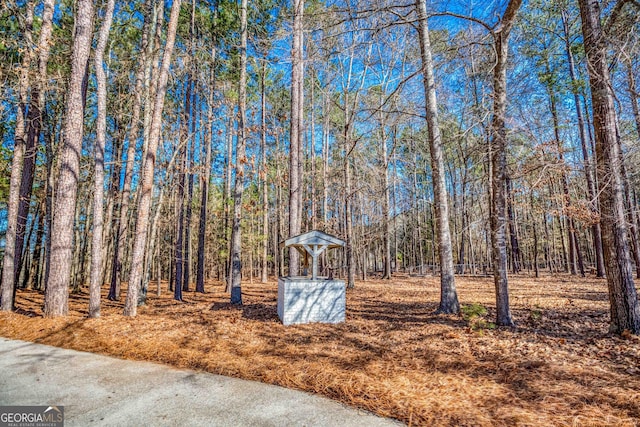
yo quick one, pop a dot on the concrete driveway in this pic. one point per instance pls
(104, 391)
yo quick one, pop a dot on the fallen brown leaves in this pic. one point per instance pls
(392, 356)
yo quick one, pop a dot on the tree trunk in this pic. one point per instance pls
(296, 136)
(596, 232)
(23, 278)
(98, 174)
(386, 272)
(82, 246)
(123, 215)
(146, 186)
(630, 211)
(348, 215)
(11, 260)
(633, 227)
(113, 200)
(536, 268)
(49, 199)
(26, 182)
(37, 252)
(235, 254)
(566, 205)
(499, 165)
(192, 118)
(204, 181)
(38, 95)
(325, 160)
(633, 95)
(448, 295)
(57, 292)
(179, 210)
(580, 266)
(264, 174)
(158, 266)
(186, 269)
(513, 235)
(623, 298)
(278, 267)
(152, 71)
(34, 126)
(227, 194)
(187, 226)
(182, 154)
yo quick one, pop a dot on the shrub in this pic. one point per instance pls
(474, 314)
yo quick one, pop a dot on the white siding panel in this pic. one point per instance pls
(302, 300)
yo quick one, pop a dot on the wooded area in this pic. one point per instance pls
(146, 144)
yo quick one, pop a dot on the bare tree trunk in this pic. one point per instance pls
(536, 268)
(499, 165)
(180, 195)
(633, 95)
(279, 226)
(192, 118)
(227, 194)
(152, 70)
(596, 232)
(566, 205)
(296, 136)
(312, 155)
(235, 254)
(28, 169)
(23, 278)
(448, 295)
(325, 160)
(580, 266)
(623, 298)
(153, 232)
(158, 265)
(386, 274)
(348, 215)
(513, 237)
(179, 201)
(98, 174)
(264, 174)
(113, 201)
(123, 215)
(36, 120)
(37, 252)
(566, 256)
(57, 292)
(186, 271)
(394, 208)
(11, 260)
(633, 229)
(33, 130)
(49, 198)
(146, 187)
(79, 271)
(204, 181)
(188, 203)
(632, 220)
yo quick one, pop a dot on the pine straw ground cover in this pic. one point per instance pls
(392, 356)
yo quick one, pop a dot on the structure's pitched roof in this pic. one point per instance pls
(315, 237)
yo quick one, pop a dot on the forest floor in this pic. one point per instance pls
(393, 356)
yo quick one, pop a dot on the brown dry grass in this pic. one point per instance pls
(392, 356)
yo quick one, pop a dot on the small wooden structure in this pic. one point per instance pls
(311, 299)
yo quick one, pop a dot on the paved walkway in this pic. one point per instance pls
(103, 391)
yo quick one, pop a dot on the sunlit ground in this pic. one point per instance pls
(392, 356)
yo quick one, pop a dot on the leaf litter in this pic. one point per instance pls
(393, 356)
